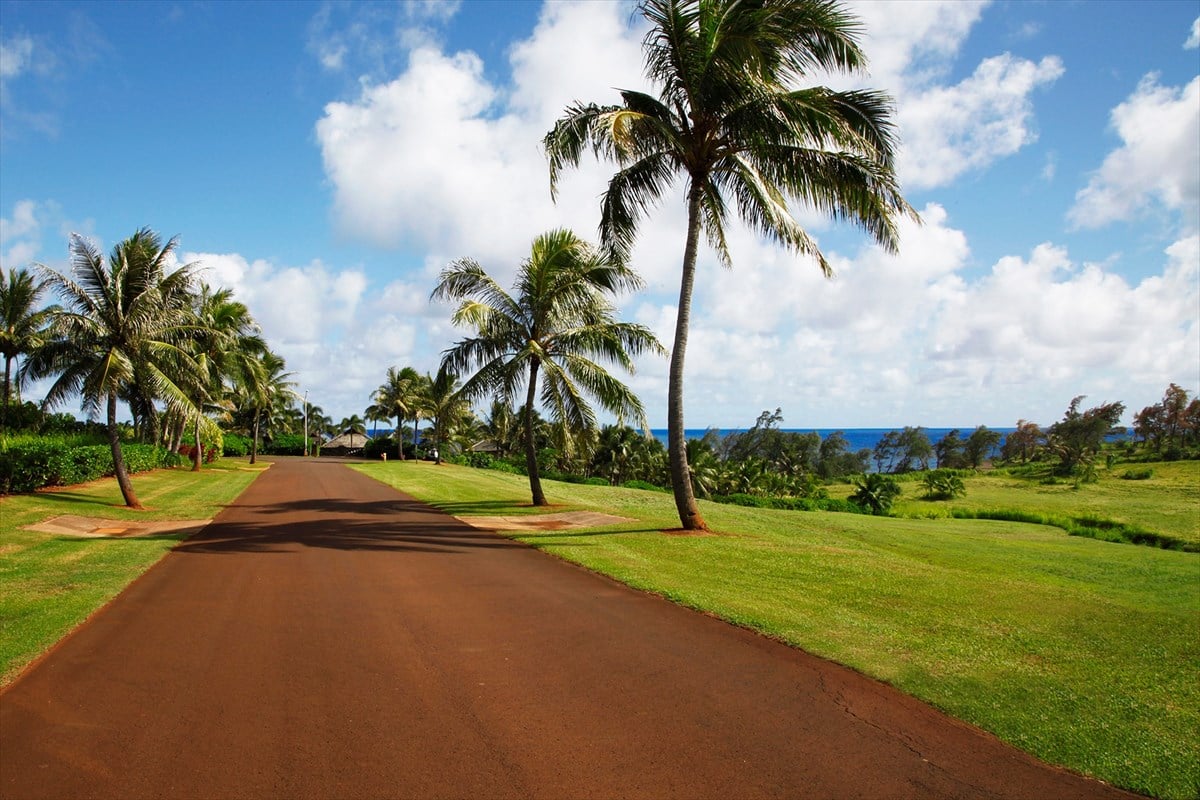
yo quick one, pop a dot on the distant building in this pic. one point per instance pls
(347, 444)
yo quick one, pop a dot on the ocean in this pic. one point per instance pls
(858, 438)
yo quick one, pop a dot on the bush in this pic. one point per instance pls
(286, 444)
(876, 493)
(1137, 474)
(30, 464)
(235, 445)
(645, 485)
(376, 447)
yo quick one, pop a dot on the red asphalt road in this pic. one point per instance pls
(329, 637)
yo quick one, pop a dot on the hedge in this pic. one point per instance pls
(29, 465)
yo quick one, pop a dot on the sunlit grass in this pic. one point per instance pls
(50, 583)
(1085, 653)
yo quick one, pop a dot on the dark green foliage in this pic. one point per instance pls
(980, 446)
(377, 446)
(876, 493)
(650, 487)
(234, 445)
(1079, 435)
(903, 451)
(1089, 527)
(33, 464)
(286, 444)
(943, 484)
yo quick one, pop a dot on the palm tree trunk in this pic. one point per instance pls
(531, 465)
(681, 483)
(254, 439)
(7, 388)
(416, 422)
(400, 437)
(114, 441)
(198, 453)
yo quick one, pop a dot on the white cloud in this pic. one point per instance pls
(16, 56)
(1157, 162)
(950, 130)
(1193, 40)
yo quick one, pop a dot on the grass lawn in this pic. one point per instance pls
(51, 583)
(1085, 653)
(1166, 503)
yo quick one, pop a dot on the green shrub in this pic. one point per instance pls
(235, 445)
(876, 493)
(790, 503)
(644, 485)
(286, 444)
(34, 462)
(1137, 474)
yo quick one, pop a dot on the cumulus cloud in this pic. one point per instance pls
(330, 329)
(955, 129)
(442, 158)
(1193, 40)
(1158, 161)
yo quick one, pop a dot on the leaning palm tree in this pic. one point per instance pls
(122, 317)
(729, 119)
(555, 326)
(23, 326)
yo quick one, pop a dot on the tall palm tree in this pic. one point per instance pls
(729, 119)
(226, 346)
(268, 391)
(555, 325)
(403, 395)
(23, 326)
(447, 408)
(352, 424)
(122, 317)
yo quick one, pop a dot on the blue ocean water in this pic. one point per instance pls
(857, 438)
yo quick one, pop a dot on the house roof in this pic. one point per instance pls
(348, 440)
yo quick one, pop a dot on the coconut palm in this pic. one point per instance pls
(446, 406)
(23, 326)
(729, 119)
(403, 395)
(352, 424)
(122, 317)
(555, 326)
(226, 347)
(267, 391)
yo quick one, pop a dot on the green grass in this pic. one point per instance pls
(49, 583)
(1167, 503)
(1083, 652)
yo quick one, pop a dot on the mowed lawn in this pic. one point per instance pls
(1085, 653)
(1167, 503)
(50, 583)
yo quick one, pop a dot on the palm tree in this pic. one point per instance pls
(728, 120)
(226, 347)
(554, 326)
(447, 408)
(23, 327)
(121, 318)
(402, 394)
(352, 424)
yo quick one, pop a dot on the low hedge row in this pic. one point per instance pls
(30, 465)
(791, 503)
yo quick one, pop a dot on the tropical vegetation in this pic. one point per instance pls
(730, 119)
(555, 327)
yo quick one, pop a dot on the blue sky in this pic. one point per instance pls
(327, 160)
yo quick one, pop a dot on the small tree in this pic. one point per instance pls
(979, 445)
(942, 484)
(1078, 436)
(876, 493)
(1024, 443)
(949, 450)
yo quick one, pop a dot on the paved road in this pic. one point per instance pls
(329, 637)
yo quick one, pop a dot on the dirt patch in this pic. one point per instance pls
(565, 520)
(96, 528)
